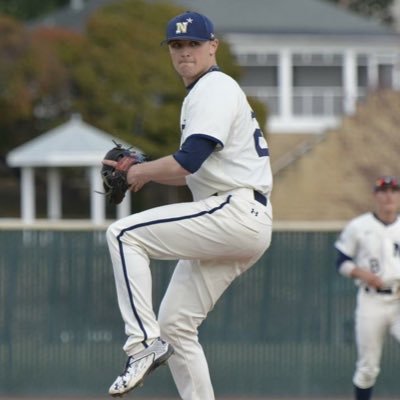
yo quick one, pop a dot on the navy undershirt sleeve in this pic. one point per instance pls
(194, 151)
(341, 258)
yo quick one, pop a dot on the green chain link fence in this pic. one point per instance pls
(283, 328)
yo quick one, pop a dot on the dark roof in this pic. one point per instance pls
(284, 16)
(318, 17)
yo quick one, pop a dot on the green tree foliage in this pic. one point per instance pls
(35, 81)
(127, 76)
(378, 9)
(14, 56)
(117, 76)
(29, 9)
(134, 90)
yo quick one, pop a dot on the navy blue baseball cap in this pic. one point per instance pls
(189, 26)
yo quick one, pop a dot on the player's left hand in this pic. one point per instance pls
(135, 179)
(116, 165)
(373, 280)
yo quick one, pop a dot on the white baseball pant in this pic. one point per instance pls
(375, 316)
(216, 240)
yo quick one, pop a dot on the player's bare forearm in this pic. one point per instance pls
(165, 170)
(367, 277)
(180, 181)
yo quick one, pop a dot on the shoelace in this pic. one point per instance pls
(131, 368)
(123, 376)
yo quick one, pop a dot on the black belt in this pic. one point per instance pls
(380, 291)
(257, 197)
(260, 198)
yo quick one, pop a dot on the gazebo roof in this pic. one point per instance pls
(74, 143)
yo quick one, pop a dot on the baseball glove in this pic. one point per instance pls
(114, 178)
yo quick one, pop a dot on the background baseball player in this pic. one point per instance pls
(369, 252)
(224, 159)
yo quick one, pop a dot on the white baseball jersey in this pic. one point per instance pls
(217, 107)
(373, 245)
(216, 237)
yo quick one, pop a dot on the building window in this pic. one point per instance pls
(317, 59)
(257, 59)
(259, 76)
(362, 76)
(385, 76)
(312, 76)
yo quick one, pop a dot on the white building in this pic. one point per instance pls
(310, 61)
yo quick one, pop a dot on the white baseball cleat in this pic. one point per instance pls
(139, 366)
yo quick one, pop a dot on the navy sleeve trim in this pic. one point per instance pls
(341, 258)
(195, 150)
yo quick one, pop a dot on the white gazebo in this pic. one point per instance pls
(72, 144)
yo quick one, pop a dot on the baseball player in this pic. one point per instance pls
(369, 252)
(224, 160)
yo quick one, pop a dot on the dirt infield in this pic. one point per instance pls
(134, 397)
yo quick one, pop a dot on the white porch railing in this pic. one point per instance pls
(306, 101)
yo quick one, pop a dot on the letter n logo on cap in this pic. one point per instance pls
(181, 27)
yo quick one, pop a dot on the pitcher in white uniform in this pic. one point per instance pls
(224, 160)
(369, 252)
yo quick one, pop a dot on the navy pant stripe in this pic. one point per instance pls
(121, 251)
(159, 221)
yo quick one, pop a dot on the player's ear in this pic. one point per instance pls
(213, 46)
